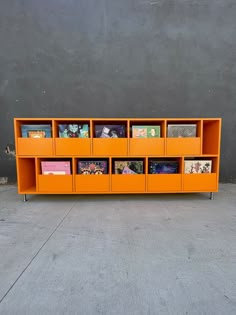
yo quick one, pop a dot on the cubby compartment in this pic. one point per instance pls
(164, 174)
(110, 138)
(147, 137)
(26, 176)
(55, 175)
(183, 137)
(34, 137)
(211, 136)
(72, 137)
(128, 175)
(201, 174)
(92, 175)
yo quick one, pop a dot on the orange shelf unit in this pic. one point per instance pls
(160, 146)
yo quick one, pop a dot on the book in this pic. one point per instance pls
(56, 167)
(182, 130)
(146, 131)
(110, 131)
(163, 167)
(73, 130)
(128, 167)
(36, 131)
(197, 166)
(90, 167)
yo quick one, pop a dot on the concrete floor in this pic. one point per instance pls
(121, 255)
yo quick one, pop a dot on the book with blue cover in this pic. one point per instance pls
(36, 131)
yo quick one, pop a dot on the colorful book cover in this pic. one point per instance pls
(110, 131)
(56, 167)
(163, 167)
(36, 131)
(92, 167)
(197, 166)
(128, 167)
(182, 130)
(146, 131)
(73, 131)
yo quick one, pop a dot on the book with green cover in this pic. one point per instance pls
(146, 131)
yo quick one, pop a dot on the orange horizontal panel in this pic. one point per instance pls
(147, 146)
(92, 183)
(72, 146)
(110, 146)
(128, 183)
(55, 183)
(200, 182)
(183, 146)
(164, 182)
(29, 146)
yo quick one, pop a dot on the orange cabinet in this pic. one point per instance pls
(202, 144)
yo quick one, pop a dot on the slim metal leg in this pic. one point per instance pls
(211, 195)
(25, 198)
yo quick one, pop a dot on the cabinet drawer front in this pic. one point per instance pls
(200, 182)
(70, 146)
(128, 183)
(182, 146)
(114, 147)
(147, 146)
(28, 146)
(164, 182)
(55, 183)
(92, 183)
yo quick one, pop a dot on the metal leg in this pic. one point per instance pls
(25, 199)
(211, 195)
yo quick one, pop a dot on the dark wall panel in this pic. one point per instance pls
(126, 58)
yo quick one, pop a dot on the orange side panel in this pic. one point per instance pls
(73, 146)
(164, 182)
(92, 183)
(147, 146)
(126, 183)
(183, 146)
(34, 147)
(113, 147)
(55, 183)
(200, 182)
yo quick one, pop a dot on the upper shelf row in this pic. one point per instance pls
(123, 136)
(116, 128)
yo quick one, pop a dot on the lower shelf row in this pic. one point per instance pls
(150, 183)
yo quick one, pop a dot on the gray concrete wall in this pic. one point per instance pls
(126, 58)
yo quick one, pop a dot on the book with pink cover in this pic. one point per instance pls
(55, 167)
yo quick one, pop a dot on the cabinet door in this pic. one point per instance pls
(128, 183)
(33, 147)
(200, 182)
(183, 146)
(164, 182)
